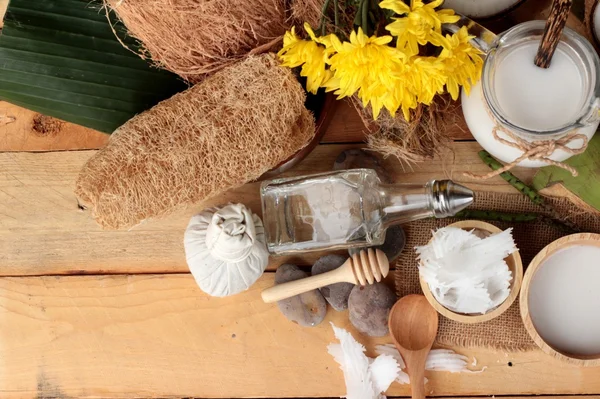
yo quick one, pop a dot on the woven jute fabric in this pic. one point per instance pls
(507, 331)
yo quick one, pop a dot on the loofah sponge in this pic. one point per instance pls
(194, 37)
(224, 132)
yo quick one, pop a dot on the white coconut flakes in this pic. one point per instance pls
(466, 273)
(368, 378)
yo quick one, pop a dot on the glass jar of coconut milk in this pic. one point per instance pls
(515, 97)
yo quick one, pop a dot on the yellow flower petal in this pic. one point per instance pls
(310, 32)
(368, 67)
(462, 61)
(310, 55)
(447, 16)
(397, 6)
(422, 24)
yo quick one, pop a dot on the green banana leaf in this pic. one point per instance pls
(587, 184)
(61, 58)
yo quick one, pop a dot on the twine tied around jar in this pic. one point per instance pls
(539, 150)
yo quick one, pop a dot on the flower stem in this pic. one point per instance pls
(336, 16)
(514, 181)
(365, 15)
(322, 24)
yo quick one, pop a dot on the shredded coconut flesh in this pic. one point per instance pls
(365, 378)
(466, 273)
(368, 378)
(437, 360)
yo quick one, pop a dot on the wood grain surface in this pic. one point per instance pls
(43, 230)
(160, 336)
(413, 326)
(157, 335)
(25, 130)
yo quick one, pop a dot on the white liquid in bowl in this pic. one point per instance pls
(564, 300)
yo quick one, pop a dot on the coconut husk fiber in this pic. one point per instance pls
(195, 37)
(412, 141)
(311, 11)
(223, 132)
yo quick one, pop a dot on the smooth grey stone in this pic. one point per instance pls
(307, 309)
(355, 159)
(369, 308)
(336, 294)
(392, 247)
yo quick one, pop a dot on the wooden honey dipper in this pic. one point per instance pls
(365, 267)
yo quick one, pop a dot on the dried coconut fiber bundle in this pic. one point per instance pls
(411, 141)
(228, 130)
(194, 37)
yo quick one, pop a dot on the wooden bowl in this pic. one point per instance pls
(587, 239)
(514, 264)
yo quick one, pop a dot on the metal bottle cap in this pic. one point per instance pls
(448, 198)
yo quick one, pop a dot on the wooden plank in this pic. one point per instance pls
(25, 130)
(526, 396)
(42, 230)
(160, 336)
(346, 126)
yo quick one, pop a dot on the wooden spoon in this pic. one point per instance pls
(413, 326)
(365, 267)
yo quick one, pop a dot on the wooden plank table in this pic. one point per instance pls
(92, 313)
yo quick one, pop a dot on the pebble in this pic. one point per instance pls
(370, 307)
(307, 309)
(392, 247)
(336, 294)
(354, 159)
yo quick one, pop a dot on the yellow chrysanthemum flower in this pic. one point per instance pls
(421, 25)
(419, 81)
(429, 77)
(310, 55)
(462, 62)
(403, 93)
(324, 40)
(366, 65)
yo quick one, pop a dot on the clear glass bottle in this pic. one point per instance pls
(348, 208)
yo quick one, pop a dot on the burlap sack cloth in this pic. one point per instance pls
(507, 331)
